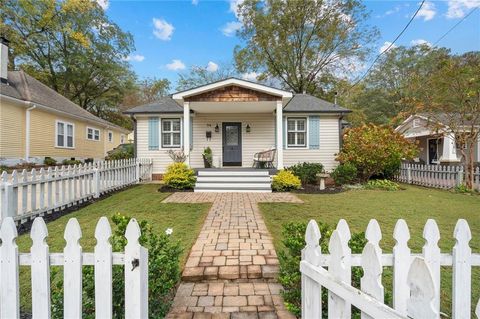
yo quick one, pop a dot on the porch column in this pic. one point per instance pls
(186, 131)
(449, 153)
(279, 132)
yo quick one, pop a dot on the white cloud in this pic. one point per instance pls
(231, 28)
(162, 29)
(250, 76)
(176, 65)
(194, 2)
(212, 66)
(420, 41)
(234, 4)
(103, 4)
(385, 45)
(135, 57)
(428, 11)
(459, 8)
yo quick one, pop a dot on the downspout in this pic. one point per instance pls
(27, 132)
(134, 135)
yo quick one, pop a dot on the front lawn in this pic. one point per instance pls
(141, 202)
(415, 205)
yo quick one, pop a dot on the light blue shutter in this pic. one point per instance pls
(284, 133)
(191, 133)
(153, 133)
(314, 132)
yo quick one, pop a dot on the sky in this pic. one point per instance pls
(172, 36)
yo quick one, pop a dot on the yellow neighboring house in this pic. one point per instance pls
(36, 122)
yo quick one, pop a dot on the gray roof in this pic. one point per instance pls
(311, 104)
(24, 87)
(165, 105)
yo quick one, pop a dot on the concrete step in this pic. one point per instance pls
(222, 190)
(233, 179)
(226, 172)
(233, 185)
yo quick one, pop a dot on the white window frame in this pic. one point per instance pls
(110, 140)
(93, 134)
(415, 123)
(65, 139)
(171, 119)
(296, 145)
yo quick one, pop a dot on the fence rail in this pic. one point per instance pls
(27, 194)
(134, 260)
(416, 277)
(436, 176)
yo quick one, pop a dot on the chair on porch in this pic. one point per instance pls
(264, 159)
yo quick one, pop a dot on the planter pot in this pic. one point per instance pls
(206, 163)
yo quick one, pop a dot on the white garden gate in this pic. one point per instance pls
(134, 259)
(416, 276)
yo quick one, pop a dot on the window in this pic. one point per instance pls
(93, 134)
(110, 136)
(122, 139)
(171, 133)
(416, 123)
(296, 132)
(64, 134)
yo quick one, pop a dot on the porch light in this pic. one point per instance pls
(217, 129)
(248, 128)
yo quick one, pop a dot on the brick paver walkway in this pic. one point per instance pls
(231, 270)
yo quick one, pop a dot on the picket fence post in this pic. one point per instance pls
(401, 264)
(137, 171)
(311, 290)
(345, 236)
(371, 282)
(9, 266)
(72, 271)
(462, 271)
(431, 254)
(7, 209)
(337, 268)
(421, 304)
(136, 274)
(96, 183)
(409, 174)
(460, 176)
(103, 270)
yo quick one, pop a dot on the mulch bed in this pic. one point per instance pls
(314, 189)
(168, 189)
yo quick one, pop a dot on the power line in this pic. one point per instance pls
(449, 30)
(388, 48)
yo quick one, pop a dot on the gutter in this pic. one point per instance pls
(27, 131)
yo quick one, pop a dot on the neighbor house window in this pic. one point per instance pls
(110, 136)
(93, 134)
(122, 139)
(64, 134)
(416, 123)
(297, 132)
(171, 133)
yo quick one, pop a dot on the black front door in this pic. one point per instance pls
(232, 144)
(433, 150)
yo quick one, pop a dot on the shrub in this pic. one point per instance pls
(344, 174)
(71, 162)
(375, 150)
(163, 274)
(285, 181)
(463, 189)
(123, 151)
(3, 168)
(208, 156)
(179, 176)
(382, 184)
(49, 161)
(307, 172)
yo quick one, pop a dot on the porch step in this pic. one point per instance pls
(232, 180)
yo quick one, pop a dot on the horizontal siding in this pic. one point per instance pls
(12, 130)
(329, 147)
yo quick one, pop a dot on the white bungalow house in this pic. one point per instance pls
(436, 143)
(237, 119)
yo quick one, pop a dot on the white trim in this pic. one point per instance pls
(279, 134)
(65, 140)
(171, 132)
(93, 134)
(307, 123)
(232, 81)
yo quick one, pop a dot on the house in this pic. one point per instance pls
(36, 122)
(236, 119)
(436, 143)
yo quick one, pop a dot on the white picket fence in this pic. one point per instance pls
(436, 176)
(28, 194)
(134, 260)
(416, 276)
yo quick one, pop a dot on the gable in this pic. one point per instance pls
(232, 93)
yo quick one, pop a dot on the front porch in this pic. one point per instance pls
(238, 180)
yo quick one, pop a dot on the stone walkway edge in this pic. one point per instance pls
(232, 268)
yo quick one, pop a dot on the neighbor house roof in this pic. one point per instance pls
(24, 87)
(165, 105)
(308, 103)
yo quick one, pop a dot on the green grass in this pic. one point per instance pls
(141, 202)
(414, 204)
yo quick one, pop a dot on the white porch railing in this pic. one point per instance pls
(436, 176)
(25, 195)
(416, 277)
(134, 259)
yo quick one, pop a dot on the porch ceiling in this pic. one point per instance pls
(234, 107)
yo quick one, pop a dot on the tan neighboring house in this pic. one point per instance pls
(238, 119)
(36, 122)
(437, 146)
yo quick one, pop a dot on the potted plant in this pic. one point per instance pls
(207, 157)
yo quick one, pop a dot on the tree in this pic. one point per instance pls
(301, 41)
(198, 75)
(72, 47)
(146, 91)
(450, 97)
(375, 150)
